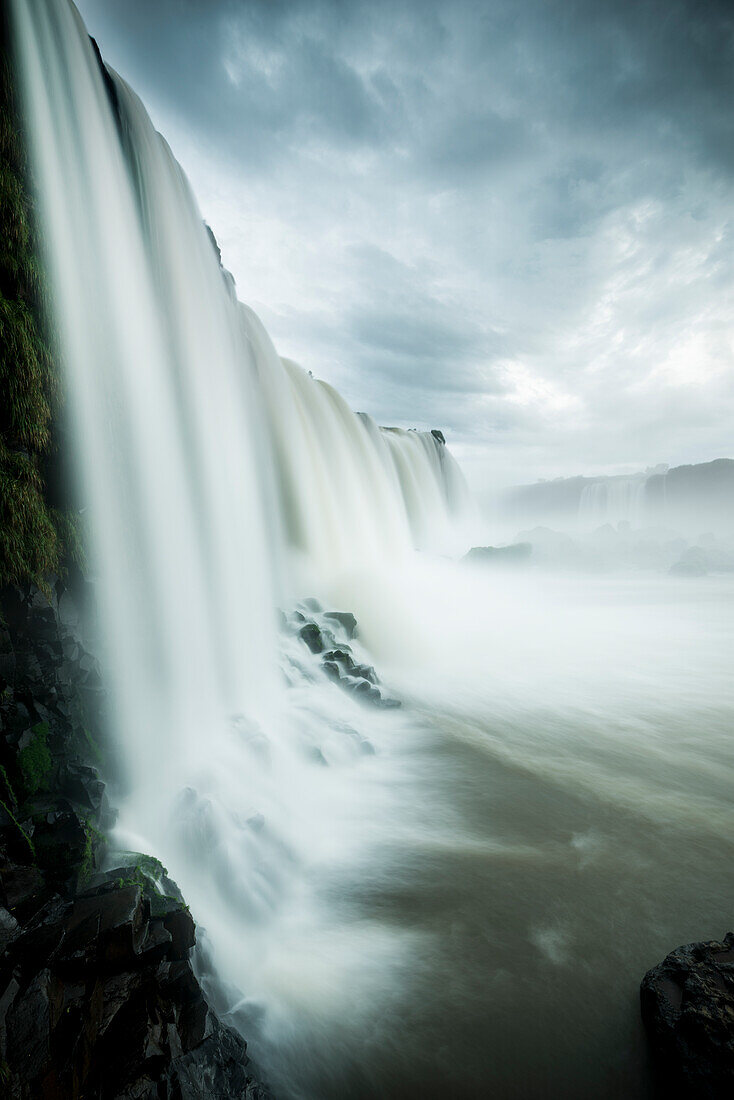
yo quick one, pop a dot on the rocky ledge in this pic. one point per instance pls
(328, 634)
(688, 1010)
(98, 997)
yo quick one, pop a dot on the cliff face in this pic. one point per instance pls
(700, 495)
(98, 997)
(36, 529)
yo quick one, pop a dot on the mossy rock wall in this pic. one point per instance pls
(34, 531)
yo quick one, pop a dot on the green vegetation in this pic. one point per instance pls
(94, 838)
(7, 790)
(21, 832)
(35, 760)
(146, 872)
(34, 537)
(90, 744)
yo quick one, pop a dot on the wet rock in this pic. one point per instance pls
(82, 785)
(438, 435)
(687, 1004)
(28, 1028)
(332, 670)
(8, 928)
(365, 672)
(340, 657)
(23, 888)
(182, 931)
(365, 691)
(311, 635)
(97, 994)
(346, 621)
(515, 553)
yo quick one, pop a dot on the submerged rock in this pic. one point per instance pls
(337, 660)
(346, 621)
(311, 635)
(515, 552)
(687, 1006)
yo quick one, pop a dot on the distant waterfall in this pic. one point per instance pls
(613, 500)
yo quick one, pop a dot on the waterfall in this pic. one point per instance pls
(220, 481)
(613, 500)
(218, 476)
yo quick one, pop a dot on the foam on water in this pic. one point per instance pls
(388, 898)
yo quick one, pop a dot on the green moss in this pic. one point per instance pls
(35, 760)
(151, 867)
(91, 744)
(93, 839)
(160, 904)
(146, 872)
(34, 538)
(21, 832)
(8, 792)
(87, 864)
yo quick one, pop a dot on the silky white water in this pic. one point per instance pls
(455, 898)
(615, 500)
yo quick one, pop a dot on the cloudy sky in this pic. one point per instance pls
(510, 219)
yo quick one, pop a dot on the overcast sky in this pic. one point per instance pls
(511, 220)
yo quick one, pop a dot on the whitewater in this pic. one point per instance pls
(457, 897)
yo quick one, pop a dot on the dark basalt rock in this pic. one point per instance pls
(116, 1005)
(98, 997)
(337, 662)
(687, 1006)
(438, 435)
(346, 621)
(311, 635)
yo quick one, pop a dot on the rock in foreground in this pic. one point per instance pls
(99, 999)
(98, 996)
(688, 1011)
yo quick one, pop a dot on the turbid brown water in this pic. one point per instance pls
(523, 847)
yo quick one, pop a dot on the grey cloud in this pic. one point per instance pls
(501, 217)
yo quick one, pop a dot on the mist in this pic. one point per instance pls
(417, 649)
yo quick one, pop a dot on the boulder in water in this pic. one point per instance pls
(501, 555)
(346, 620)
(688, 1010)
(311, 635)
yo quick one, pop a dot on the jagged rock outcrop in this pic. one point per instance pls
(688, 1009)
(500, 555)
(98, 997)
(327, 635)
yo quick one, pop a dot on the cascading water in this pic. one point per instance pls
(613, 500)
(404, 902)
(205, 458)
(219, 481)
